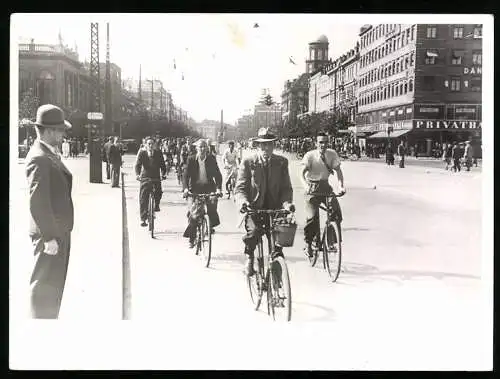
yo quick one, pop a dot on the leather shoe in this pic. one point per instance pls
(191, 242)
(249, 270)
(144, 223)
(308, 251)
(157, 208)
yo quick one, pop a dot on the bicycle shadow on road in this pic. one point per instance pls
(354, 273)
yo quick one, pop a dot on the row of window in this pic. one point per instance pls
(387, 115)
(391, 45)
(458, 32)
(391, 68)
(379, 31)
(454, 84)
(457, 57)
(389, 91)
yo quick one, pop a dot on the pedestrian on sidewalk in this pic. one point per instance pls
(401, 153)
(456, 155)
(115, 162)
(447, 154)
(51, 210)
(389, 155)
(202, 176)
(468, 155)
(105, 155)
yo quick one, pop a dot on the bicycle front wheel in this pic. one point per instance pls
(279, 292)
(206, 241)
(256, 281)
(151, 215)
(332, 250)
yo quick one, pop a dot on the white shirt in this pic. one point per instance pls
(316, 169)
(202, 178)
(230, 158)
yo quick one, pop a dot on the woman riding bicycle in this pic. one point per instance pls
(230, 159)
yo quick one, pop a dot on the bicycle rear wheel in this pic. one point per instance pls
(332, 250)
(206, 241)
(151, 215)
(316, 249)
(256, 281)
(279, 292)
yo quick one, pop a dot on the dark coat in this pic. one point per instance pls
(251, 183)
(192, 172)
(114, 155)
(150, 168)
(50, 184)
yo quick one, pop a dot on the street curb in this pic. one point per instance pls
(126, 283)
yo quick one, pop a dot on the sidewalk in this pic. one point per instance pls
(93, 285)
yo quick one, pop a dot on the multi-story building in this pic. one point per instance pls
(245, 125)
(267, 116)
(152, 93)
(319, 91)
(420, 82)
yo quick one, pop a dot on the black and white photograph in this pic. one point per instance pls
(251, 192)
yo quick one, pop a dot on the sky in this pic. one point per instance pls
(224, 60)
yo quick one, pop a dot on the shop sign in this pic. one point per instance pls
(472, 70)
(446, 124)
(429, 111)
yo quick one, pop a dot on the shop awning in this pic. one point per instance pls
(394, 134)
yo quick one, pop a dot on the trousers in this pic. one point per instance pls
(194, 213)
(115, 175)
(312, 203)
(108, 170)
(49, 278)
(146, 187)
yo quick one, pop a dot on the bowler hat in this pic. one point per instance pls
(264, 135)
(50, 116)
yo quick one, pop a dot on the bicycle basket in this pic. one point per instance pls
(284, 232)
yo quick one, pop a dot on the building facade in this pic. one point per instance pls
(295, 99)
(420, 83)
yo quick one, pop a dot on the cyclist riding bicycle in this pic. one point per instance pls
(230, 159)
(263, 183)
(202, 175)
(148, 165)
(318, 164)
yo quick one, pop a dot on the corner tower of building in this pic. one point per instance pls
(318, 54)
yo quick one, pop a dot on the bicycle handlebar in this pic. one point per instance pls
(250, 211)
(340, 194)
(204, 195)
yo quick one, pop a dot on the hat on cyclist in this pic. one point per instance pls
(231, 142)
(264, 135)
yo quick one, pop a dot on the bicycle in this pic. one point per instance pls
(329, 242)
(180, 173)
(151, 206)
(231, 184)
(272, 276)
(203, 240)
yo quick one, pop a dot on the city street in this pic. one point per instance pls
(411, 268)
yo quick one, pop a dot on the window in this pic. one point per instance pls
(410, 86)
(412, 59)
(397, 90)
(413, 32)
(456, 57)
(455, 84)
(407, 62)
(475, 84)
(431, 32)
(430, 57)
(477, 58)
(407, 36)
(406, 87)
(458, 32)
(478, 32)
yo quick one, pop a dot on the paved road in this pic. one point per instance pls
(411, 293)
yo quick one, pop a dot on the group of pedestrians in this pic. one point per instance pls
(458, 153)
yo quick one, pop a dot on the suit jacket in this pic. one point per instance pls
(114, 155)
(150, 168)
(192, 173)
(105, 151)
(50, 184)
(251, 184)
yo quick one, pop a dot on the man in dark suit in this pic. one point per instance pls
(105, 156)
(148, 165)
(202, 175)
(115, 161)
(51, 209)
(263, 182)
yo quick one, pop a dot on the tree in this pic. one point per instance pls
(28, 105)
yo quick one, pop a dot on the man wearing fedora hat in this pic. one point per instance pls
(263, 182)
(51, 211)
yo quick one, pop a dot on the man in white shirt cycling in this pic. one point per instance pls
(230, 160)
(317, 165)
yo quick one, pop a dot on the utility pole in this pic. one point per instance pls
(95, 162)
(108, 115)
